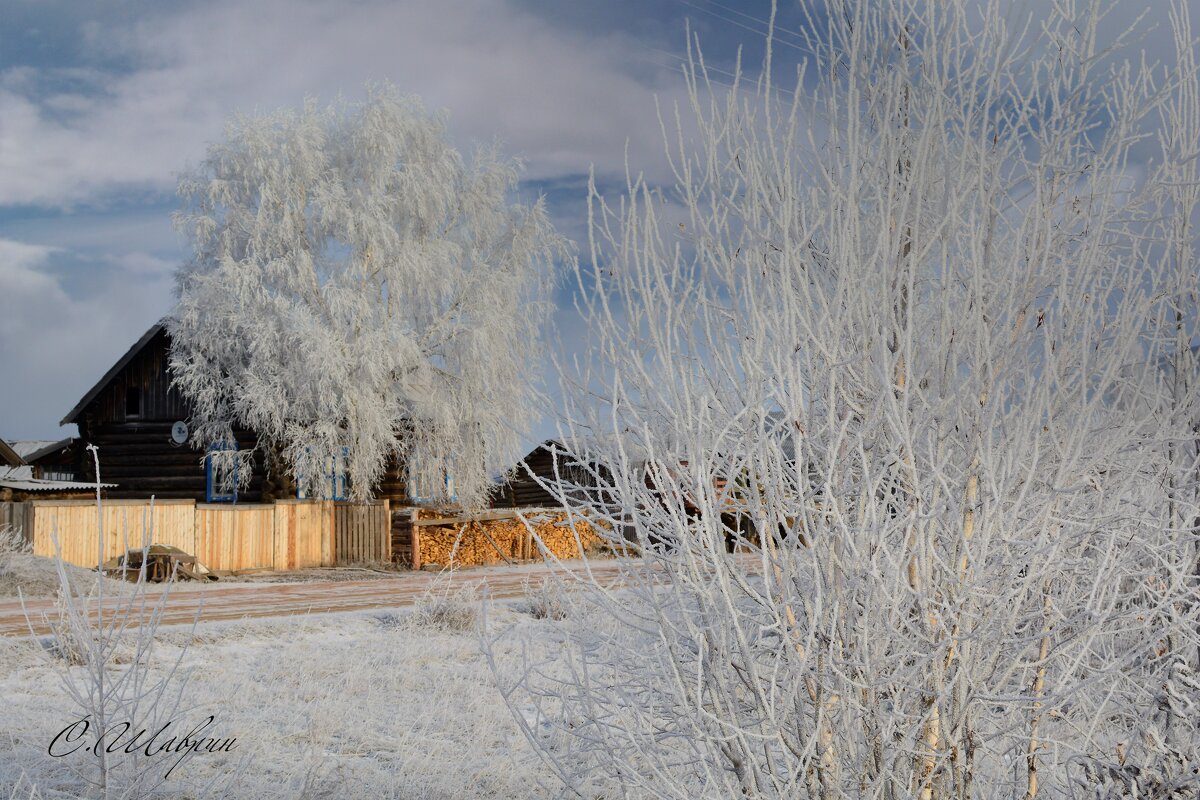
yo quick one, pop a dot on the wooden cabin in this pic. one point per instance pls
(546, 461)
(132, 415)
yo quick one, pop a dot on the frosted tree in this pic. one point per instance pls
(359, 293)
(913, 334)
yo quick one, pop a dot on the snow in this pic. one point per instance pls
(354, 705)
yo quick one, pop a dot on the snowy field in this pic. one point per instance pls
(394, 705)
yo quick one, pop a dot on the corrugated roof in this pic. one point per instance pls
(112, 373)
(35, 485)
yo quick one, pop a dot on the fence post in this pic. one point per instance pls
(416, 541)
(281, 540)
(387, 531)
(329, 535)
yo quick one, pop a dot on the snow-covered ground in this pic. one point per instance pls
(371, 704)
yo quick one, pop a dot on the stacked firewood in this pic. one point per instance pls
(508, 540)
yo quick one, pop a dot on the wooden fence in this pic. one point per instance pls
(19, 516)
(235, 537)
(286, 535)
(357, 526)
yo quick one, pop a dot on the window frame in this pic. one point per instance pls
(210, 494)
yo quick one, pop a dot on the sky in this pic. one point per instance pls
(102, 105)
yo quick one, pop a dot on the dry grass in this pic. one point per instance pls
(13, 541)
(544, 600)
(447, 608)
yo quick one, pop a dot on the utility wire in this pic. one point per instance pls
(760, 31)
(766, 24)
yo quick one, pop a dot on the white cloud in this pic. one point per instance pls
(53, 347)
(560, 100)
(78, 288)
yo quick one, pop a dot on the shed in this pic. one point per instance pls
(53, 460)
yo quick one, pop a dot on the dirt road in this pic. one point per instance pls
(219, 601)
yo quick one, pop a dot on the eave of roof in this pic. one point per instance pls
(35, 485)
(155, 329)
(23, 447)
(53, 447)
(9, 456)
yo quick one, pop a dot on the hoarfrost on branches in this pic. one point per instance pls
(914, 336)
(358, 291)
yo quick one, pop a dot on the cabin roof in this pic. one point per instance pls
(33, 449)
(122, 362)
(9, 457)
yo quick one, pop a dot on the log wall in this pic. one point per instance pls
(134, 437)
(550, 462)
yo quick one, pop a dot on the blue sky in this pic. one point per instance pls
(103, 104)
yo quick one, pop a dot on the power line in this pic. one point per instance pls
(766, 24)
(760, 31)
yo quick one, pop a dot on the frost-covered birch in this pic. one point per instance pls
(913, 333)
(358, 290)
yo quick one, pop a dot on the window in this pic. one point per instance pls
(133, 400)
(334, 484)
(420, 492)
(221, 473)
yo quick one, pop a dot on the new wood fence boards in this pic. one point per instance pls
(362, 532)
(297, 534)
(126, 524)
(303, 534)
(292, 534)
(235, 537)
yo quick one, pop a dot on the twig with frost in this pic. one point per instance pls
(916, 343)
(106, 653)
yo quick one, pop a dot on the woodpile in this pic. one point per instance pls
(498, 541)
(162, 562)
